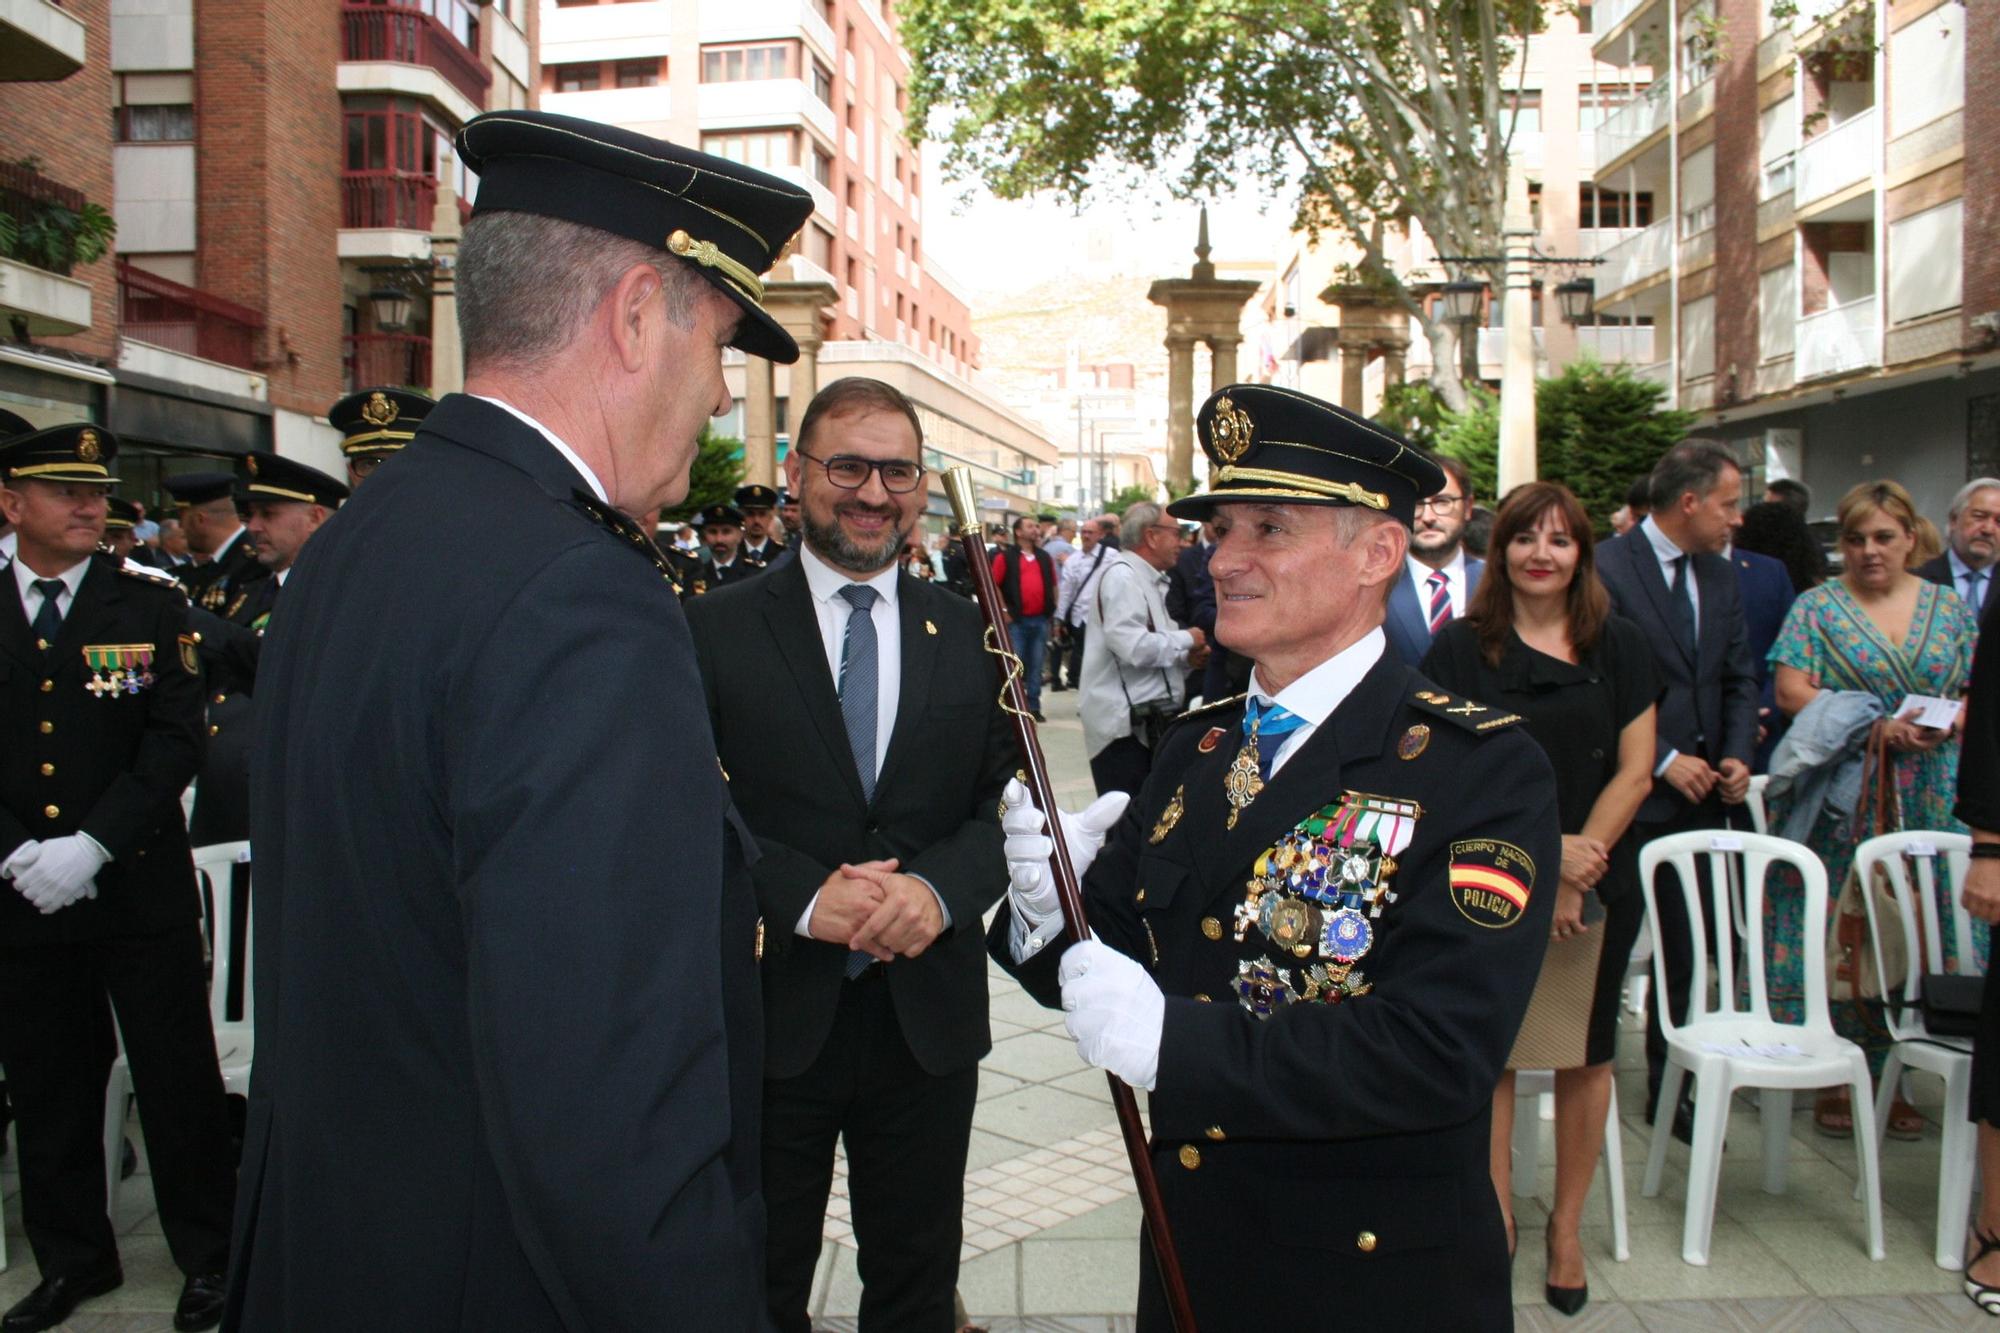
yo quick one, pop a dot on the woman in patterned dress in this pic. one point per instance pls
(1877, 628)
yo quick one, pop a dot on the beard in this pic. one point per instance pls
(830, 542)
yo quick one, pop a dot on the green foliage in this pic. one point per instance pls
(1366, 113)
(1130, 496)
(1415, 411)
(51, 236)
(717, 472)
(1597, 428)
(1179, 489)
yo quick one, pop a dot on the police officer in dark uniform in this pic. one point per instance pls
(758, 503)
(375, 424)
(509, 1051)
(214, 528)
(722, 532)
(1319, 923)
(121, 516)
(97, 888)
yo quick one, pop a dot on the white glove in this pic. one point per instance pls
(64, 871)
(1031, 882)
(20, 859)
(1114, 1010)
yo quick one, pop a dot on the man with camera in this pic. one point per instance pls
(1134, 657)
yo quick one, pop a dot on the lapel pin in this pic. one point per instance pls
(930, 627)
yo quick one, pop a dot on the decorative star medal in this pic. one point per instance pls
(1168, 817)
(1261, 988)
(1242, 783)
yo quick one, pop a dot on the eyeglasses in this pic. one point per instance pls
(1439, 504)
(899, 475)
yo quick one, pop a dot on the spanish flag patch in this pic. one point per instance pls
(1490, 881)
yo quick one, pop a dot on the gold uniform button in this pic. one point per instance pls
(48, 770)
(1200, 998)
(48, 728)
(1215, 1132)
(222, 698)
(1139, 897)
(52, 810)
(214, 730)
(1190, 1156)
(47, 686)
(1211, 927)
(1365, 1242)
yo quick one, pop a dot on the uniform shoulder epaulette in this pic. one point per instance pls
(627, 531)
(1469, 714)
(1209, 709)
(159, 578)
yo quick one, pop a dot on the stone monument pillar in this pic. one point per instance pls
(1200, 308)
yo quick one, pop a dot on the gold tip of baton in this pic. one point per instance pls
(963, 492)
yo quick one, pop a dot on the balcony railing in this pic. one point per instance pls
(1638, 258)
(387, 199)
(185, 319)
(1836, 159)
(412, 37)
(387, 358)
(1608, 14)
(1632, 124)
(1839, 340)
(1617, 344)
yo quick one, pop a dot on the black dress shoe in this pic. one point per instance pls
(53, 1300)
(201, 1302)
(1566, 1300)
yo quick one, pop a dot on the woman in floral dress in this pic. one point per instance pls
(1878, 628)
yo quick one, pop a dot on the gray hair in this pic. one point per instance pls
(528, 283)
(1132, 527)
(1967, 491)
(1692, 466)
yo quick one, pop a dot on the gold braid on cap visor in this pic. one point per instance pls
(69, 471)
(709, 255)
(1332, 490)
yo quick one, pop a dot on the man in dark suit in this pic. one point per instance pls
(1972, 544)
(854, 708)
(1766, 589)
(1319, 922)
(1191, 599)
(1438, 583)
(1667, 575)
(508, 1060)
(215, 534)
(97, 890)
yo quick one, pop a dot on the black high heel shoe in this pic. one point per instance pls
(1568, 1300)
(1979, 1293)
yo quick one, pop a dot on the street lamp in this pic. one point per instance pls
(1577, 298)
(1463, 301)
(391, 308)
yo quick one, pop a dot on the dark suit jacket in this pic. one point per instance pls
(1938, 570)
(1709, 705)
(1407, 626)
(118, 760)
(779, 733)
(1381, 1100)
(1190, 591)
(508, 1067)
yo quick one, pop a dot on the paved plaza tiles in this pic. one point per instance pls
(1051, 1221)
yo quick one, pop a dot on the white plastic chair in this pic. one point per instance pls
(234, 1041)
(1706, 1044)
(1760, 814)
(1950, 1058)
(1536, 1088)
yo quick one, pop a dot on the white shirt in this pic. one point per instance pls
(1133, 654)
(223, 549)
(1076, 578)
(1959, 569)
(825, 583)
(7, 541)
(31, 596)
(1667, 552)
(575, 460)
(1316, 694)
(1454, 583)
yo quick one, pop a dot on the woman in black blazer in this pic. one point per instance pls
(1539, 639)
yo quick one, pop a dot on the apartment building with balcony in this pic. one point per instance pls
(814, 91)
(270, 165)
(1808, 206)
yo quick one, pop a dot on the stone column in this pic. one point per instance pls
(1517, 376)
(1222, 369)
(798, 307)
(1392, 361)
(760, 427)
(1180, 410)
(804, 384)
(447, 355)
(1353, 368)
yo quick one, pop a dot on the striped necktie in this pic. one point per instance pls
(860, 696)
(1440, 601)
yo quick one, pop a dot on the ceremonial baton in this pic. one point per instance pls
(964, 495)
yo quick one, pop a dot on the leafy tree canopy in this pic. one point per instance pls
(717, 472)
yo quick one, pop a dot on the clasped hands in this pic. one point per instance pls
(55, 872)
(875, 908)
(1691, 776)
(1584, 861)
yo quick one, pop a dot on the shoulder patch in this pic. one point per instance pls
(1468, 714)
(1219, 706)
(1490, 881)
(628, 532)
(159, 578)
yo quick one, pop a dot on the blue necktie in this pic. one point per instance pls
(1269, 724)
(48, 620)
(1973, 595)
(860, 696)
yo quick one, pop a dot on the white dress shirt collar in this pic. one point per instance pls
(575, 460)
(1316, 694)
(24, 584)
(1664, 547)
(825, 582)
(223, 549)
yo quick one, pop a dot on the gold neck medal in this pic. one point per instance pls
(1242, 783)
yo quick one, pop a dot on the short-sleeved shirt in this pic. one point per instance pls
(1574, 710)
